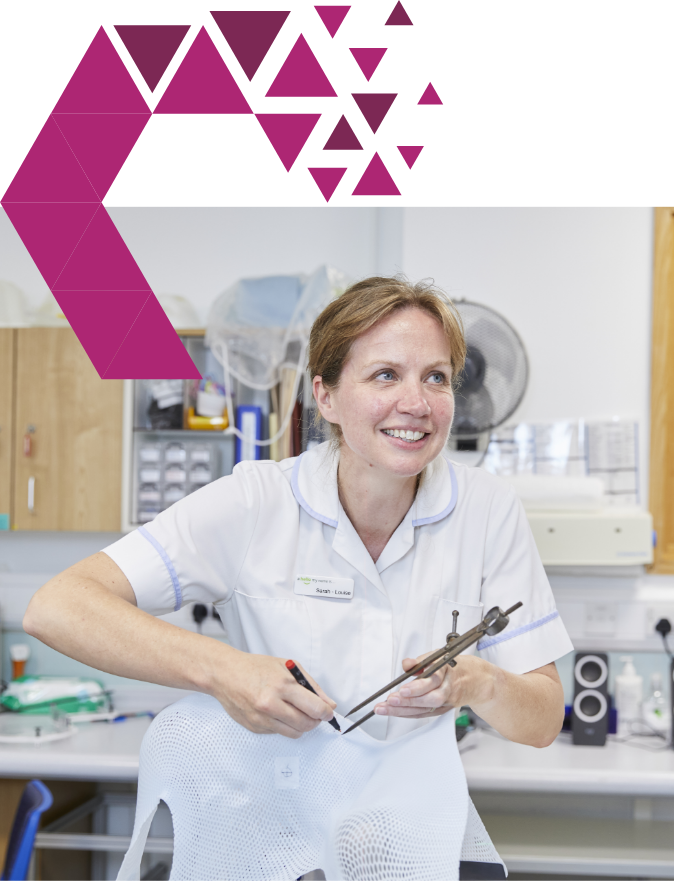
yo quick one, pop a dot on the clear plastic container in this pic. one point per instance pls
(175, 452)
(149, 493)
(200, 474)
(150, 475)
(150, 453)
(174, 493)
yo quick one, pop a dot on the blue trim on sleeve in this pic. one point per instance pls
(423, 521)
(294, 483)
(169, 565)
(511, 634)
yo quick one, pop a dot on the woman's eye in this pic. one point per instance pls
(386, 375)
(437, 378)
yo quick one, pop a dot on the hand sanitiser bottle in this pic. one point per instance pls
(628, 696)
(656, 714)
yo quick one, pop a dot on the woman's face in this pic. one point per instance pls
(397, 380)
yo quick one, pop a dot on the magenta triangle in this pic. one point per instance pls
(301, 76)
(368, 60)
(152, 349)
(376, 181)
(101, 321)
(327, 180)
(203, 83)
(430, 96)
(410, 154)
(250, 35)
(343, 137)
(399, 16)
(152, 46)
(101, 261)
(288, 133)
(374, 107)
(332, 17)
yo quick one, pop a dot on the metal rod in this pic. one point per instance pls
(458, 646)
(360, 721)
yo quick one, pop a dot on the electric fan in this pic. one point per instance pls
(493, 381)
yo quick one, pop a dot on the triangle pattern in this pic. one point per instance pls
(301, 76)
(374, 107)
(343, 137)
(399, 16)
(430, 96)
(376, 181)
(152, 46)
(332, 17)
(101, 261)
(410, 154)
(327, 180)
(152, 349)
(250, 35)
(203, 83)
(368, 60)
(288, 133)
(101, 321)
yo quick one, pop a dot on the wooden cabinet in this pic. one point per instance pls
(7, 340)
(71, 478)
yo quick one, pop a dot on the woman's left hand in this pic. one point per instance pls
(470, 682)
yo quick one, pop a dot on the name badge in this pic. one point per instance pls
(324, 586)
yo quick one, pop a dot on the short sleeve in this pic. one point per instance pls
(194, 550)
(513, 572)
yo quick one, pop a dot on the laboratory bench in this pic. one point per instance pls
(565, 810)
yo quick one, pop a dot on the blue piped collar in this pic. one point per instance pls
(314, 485)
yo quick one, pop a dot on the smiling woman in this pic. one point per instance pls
(408, 538)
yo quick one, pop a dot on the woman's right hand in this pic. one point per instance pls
(260, 693)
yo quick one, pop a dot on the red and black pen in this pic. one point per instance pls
(299, 677)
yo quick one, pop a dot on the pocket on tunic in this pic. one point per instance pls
(469, 616)
(271, 626)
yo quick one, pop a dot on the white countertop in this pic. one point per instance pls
(493, 763)
(109, 751)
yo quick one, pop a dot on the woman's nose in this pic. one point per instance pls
(414, 403)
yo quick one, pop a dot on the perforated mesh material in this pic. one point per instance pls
(477, 846)
(358, 808)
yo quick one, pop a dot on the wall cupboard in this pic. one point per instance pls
(60, 434)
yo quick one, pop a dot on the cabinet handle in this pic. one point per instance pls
(31, 494)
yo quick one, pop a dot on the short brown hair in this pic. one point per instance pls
(364, 304)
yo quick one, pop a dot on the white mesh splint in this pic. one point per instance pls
(254, 807)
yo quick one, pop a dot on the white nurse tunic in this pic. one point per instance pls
(242, 541)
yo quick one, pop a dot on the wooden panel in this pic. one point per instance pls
(7, 340)
(76, 456)
(661, 492)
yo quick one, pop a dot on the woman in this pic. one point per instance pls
(379, 514)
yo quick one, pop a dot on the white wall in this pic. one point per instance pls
(198, 252)
(576, 285)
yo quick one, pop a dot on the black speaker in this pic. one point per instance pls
(589, 716)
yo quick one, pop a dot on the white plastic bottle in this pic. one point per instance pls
(656, 714)
(628, 696)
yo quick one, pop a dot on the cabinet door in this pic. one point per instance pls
(75, 460)
(7, 337)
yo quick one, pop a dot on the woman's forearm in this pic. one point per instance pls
(81, 618)
(526, 708)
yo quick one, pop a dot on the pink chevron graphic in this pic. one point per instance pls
(288, 133)
(410, 154)
(332, 17)
(55, 205)
(368, 60)
(430, 96)
(203, 83)
(152, 46)
(301, 76)
(327, 180)
(376, 180)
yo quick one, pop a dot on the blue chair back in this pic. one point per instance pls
(36, 798)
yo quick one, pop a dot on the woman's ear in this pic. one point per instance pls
(324, 400)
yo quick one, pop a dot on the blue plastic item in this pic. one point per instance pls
(249, 421)
(35, 800)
